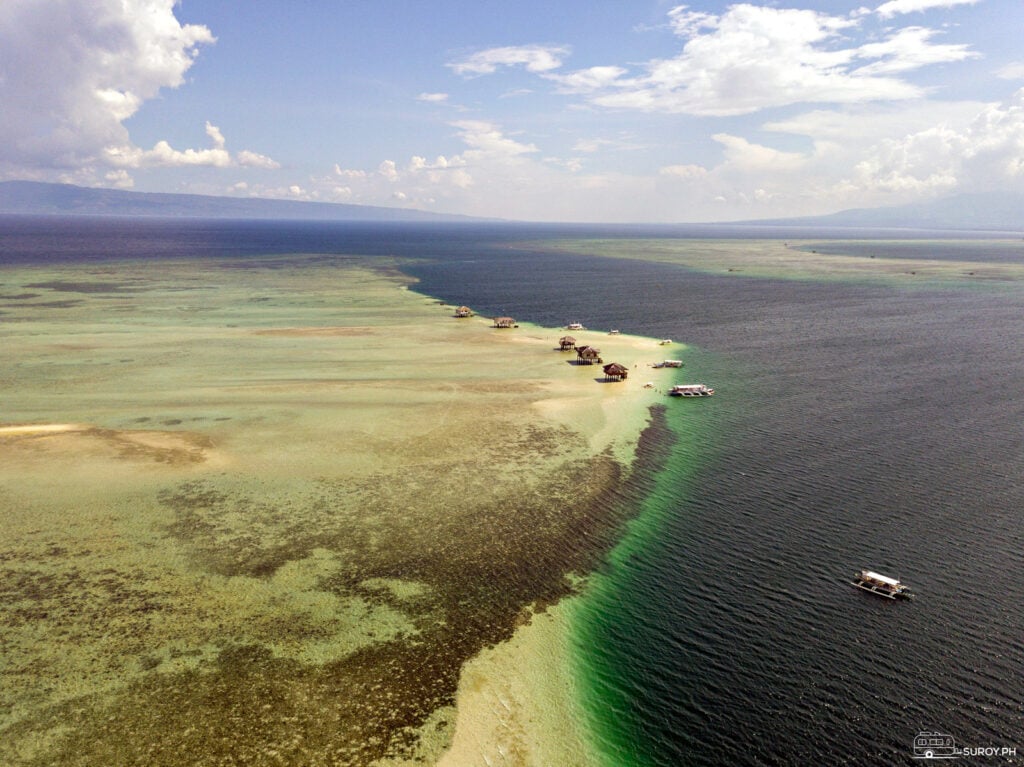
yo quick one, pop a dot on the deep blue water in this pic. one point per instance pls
(854, 426)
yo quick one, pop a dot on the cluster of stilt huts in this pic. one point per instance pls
(585, 354)
(591, 355)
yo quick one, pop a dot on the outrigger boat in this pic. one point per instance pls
(882, 585)
(691, 390)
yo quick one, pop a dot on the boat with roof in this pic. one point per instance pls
(691, 390)
(882, 585)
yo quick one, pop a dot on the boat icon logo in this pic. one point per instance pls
(935, 745)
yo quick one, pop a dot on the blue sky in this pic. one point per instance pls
(564, 110)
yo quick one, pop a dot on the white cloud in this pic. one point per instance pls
(433, 98)
(896, 7)
(487, 140)
(417, 164)
(592, 79)
(687, 23)
(71, 73)
(908, 49)
(516, 93)
(255, 160)
(684, 171)
(163, 155)
(744, 155)
(214, 133)
(534, 58)
(571, 164)
(119, 178)
(751, 58)
(591, 145)
(103, 59)
(1014, 71)
(388, 169)
(349, 174)
(441, 170)
(987, 153)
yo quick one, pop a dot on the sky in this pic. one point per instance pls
(561, 110)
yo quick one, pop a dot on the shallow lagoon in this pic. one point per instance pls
(262, 511)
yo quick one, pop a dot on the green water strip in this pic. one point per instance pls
(600, 626)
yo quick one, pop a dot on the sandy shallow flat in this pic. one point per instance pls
(801, 260)
(289, 511)
(41, 428)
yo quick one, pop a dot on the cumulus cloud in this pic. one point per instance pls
(754, 57)
(750, 58)
(748, 156)
(71, 73)
(163, 155)
(441, 163)
(441, 170)
(896, 7)
(388, 169)
(487, 140)
(348, 173)
(254, 160)
(103, 59)
(988, 151)
(119, 178)
(534, 58)
(488, 152)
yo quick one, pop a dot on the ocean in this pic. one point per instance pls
(855, 426)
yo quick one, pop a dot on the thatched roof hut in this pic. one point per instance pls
(566, 342)
(463, 311)
(505, 322)
(615, 372)
(588, 355)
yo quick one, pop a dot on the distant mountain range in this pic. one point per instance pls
(989, 211)
(35, 198)
(1002, 212)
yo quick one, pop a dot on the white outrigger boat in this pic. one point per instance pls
(882, 585)
(691, 390)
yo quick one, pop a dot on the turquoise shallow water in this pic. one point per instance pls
(617, 598)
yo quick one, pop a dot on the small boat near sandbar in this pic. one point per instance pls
(882, 585)
(691, 390)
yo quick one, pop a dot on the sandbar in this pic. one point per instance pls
(807, 260)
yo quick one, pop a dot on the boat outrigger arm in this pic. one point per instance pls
(882, 585)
